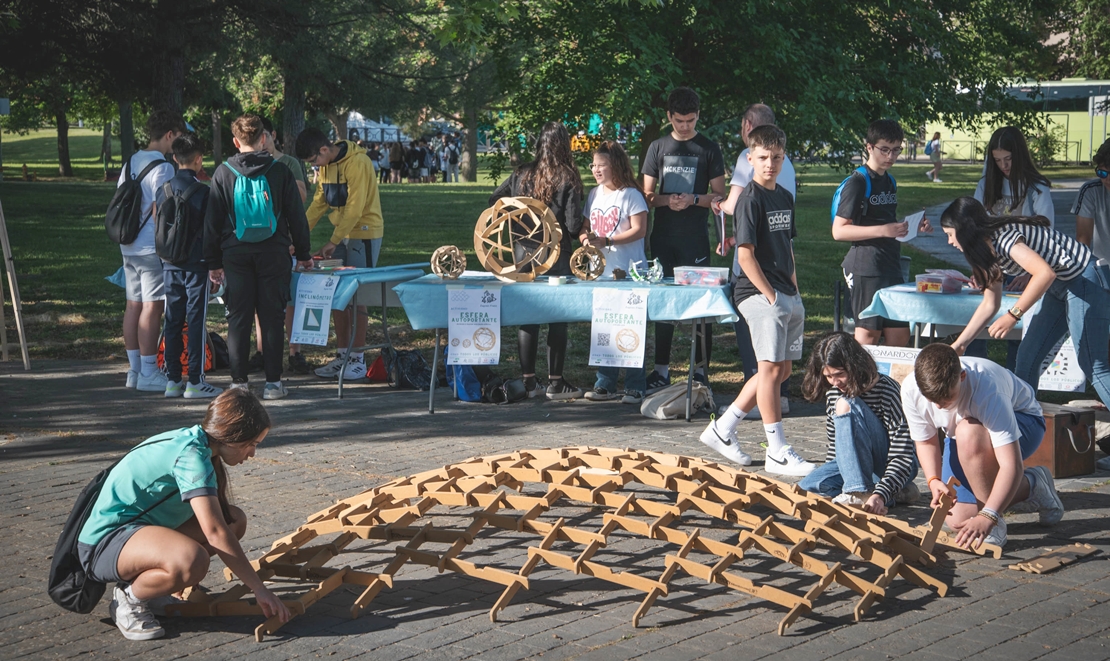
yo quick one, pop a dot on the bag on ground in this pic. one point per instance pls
(124, 219)
(407, 369)
(209, 360)
(254, 206)
(670, 402)
(173, 237)
(221, 359)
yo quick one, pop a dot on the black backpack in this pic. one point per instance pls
(407, 369)
(453, 159)
(68, 584)
(124, 219)
(173, 236)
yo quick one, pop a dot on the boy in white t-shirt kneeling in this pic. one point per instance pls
(616, 223)
(992, 422)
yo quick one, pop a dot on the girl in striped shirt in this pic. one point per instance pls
(870, 461)
(1062, 277)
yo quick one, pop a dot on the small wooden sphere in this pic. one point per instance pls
(587, 263)
(517, 239)
(448, 262)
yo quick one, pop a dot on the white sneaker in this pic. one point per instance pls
(175, 388)
(852, 499)
(1049, 507)
(727, 446)
(787, 462)
(331, 370)
(274, 391)
(156, 382)
(941, 181)
(237, 386)
(997, 535)
(202, 390)
(356, 369)
(134, 619)
(132, 379)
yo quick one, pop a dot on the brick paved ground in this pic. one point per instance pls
(62, 422)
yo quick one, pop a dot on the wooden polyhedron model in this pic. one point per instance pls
(448, 262)
(712, 522)
(517, 239)
(587, 263)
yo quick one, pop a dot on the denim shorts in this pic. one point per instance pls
(1032, 433)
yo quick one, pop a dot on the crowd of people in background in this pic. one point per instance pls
(421, 161)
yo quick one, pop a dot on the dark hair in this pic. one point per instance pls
(759, 114)
(309, 143)
(247, 129)
(937, 371)
(554, 165)
(162, 122)
(186, 147)
(1023, 174)
(267, 125)
(936, 136)
(235, 417)
(767, 136)
(683, 101)
(1102, 156)
(619, 164)
(840, 351)
(974, 227)
(885, 129)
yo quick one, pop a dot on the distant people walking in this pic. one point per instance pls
(932, 148)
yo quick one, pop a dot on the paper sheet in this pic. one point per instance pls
(915, 221)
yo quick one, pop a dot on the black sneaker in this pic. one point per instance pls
(701, 378)
(297, 364)
(562, 389)
(601, 395)
(256, 364)
(656, 382)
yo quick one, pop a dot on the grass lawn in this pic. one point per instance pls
(62, 255)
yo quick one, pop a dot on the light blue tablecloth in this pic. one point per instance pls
(351, 279)
(425, 301)
(905, 303)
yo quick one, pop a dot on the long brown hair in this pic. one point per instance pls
(235, 417)
(553, 168)
(974, 227)
(839, 351)
(619, 165)
(1023, 173)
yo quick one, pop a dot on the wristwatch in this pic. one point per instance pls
(1016, 312)
(696, 198)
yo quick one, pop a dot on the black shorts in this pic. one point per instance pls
(680, 250)
(863, 288)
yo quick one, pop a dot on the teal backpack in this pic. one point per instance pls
(254, 207)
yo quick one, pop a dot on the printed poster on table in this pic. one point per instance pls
(473, 325)
(312, 309)
(618, 333)
(895, 362)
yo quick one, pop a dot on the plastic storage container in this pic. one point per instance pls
(935, 283)
(700, 275)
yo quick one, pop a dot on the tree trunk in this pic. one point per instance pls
(468, 160)
(169, 83)
(61, 122)
(338, 119)
(292, 115)
(106, 144)
(126, 132)
(649, 135)
(217, 138)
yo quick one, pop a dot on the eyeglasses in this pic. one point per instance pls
(1101, 174)
(887, 151)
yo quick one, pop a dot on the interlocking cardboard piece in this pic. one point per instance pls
(517, 239)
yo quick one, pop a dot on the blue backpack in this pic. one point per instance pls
(254, 207)
(929, 148)
(861, 171)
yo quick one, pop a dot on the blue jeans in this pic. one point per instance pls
(1032, 432)
(862, 445)
(1079, 306)
(634, 378)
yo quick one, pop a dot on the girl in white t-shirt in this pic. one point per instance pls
(616, 223)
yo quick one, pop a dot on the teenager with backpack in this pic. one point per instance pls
(182, 202)
(163, 511)
(142, 269)
(451, 155)
(254, 215)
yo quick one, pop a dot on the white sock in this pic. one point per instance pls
(356, 355)
(149, 365)
(664, 370)
(133, 360)
(730, 419)
(776, 439)
(131, 595)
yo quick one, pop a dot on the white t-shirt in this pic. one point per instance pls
(742, 176)
(1038, 202)
(611, 213)
(989, 392)
(144, 242)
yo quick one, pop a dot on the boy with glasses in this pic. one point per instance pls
(1092, 207)
(870, 223)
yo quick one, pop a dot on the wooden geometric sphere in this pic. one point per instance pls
(587, 263)
(448, 262)
(515, 233)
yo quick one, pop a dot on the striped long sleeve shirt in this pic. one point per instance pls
(885, 401)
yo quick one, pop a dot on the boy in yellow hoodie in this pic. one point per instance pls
(347, 190)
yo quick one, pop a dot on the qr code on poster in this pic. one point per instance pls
(602, 339)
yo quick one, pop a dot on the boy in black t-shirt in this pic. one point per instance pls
(686, 165)
(871, 223)
(766, 293)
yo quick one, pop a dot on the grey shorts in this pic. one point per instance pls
(142, 275)
(777, 329)
(101, 562)
(358, 253)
